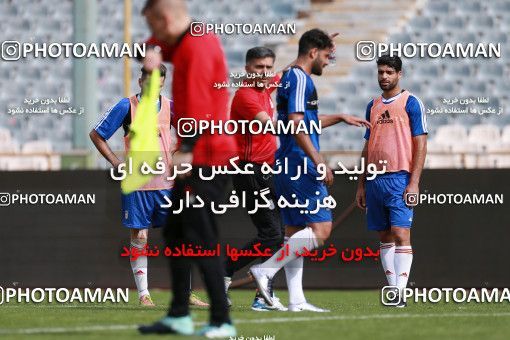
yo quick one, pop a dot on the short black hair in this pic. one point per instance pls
(148, 5)
(314, 38)
(258, 53)
(391, 61)
(162, 71)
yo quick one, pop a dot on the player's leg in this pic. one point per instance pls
(178, 319)
(240, 183)
(293, 275)
(159, 219)
(387, 255)
(194, 299)
(201, 229)
(294, 267)
(403, 255)
(197, 227)
(204, 233)
(269, 229)
(294, 271)
(318, 228)
(378, 220)
(139, 266)
(401, 219)
(180, 266)
(291, 270)
(269, 235)
(310, 238)
(136, 215)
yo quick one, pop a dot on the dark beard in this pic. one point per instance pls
(390, 86)
(316, 68)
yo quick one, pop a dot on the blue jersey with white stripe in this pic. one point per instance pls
(297, 95)
(117, 116)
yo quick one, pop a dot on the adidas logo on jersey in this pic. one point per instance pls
(385, 118)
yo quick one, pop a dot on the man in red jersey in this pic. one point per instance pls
(252, 102)
(199, 63)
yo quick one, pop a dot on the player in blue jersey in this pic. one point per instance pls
(142, 208)
(398, 136)
(297, 101)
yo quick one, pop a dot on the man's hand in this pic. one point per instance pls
(356, 121)
(116, 163)
(180, 158)
(152, 59)
(411, 194)
(361, 197)
(333, 35)
(328, 180)
(115, 166)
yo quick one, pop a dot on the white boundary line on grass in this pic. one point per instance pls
(248, 321)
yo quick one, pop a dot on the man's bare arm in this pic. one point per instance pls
(364, 155)
(360, 192)
(103, 147)
(419, 154)
(329, 120)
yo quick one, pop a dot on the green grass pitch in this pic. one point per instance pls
(354, 315)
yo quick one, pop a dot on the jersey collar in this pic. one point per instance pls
(389, 100)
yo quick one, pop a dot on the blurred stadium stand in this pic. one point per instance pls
(456, 140)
